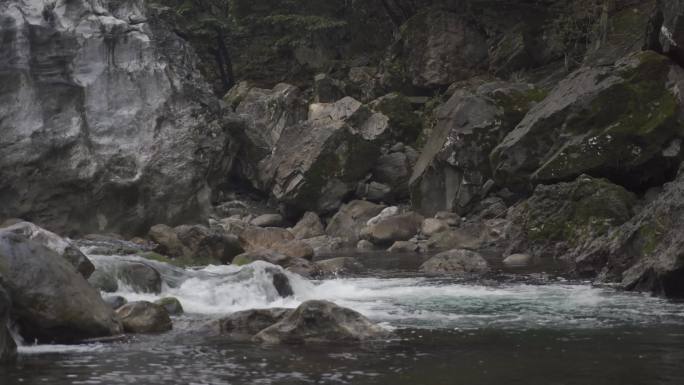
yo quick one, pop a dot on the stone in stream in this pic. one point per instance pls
(255, 238)
(144, 317)
(51, 302)
(8, 349)
(171, 304)
(340, 266)
(54, 242)
(268, 220)
(104, 281)
(197, 243)
(321, 322)
(456, 262)
(295, 249)
(141, 277)
(518, 260)
(243, 325)
(115, 301)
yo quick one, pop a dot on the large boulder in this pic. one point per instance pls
(453, 168)
(141, 277)
(50, 300)
(267, 113)
(54, 242)
(107, 122)
(456, 262)
(243, 325)
(318, 163)
(321, 322)
(8, 348)
(558, 218)
(400, 227)
(351, 219)
(439, 47)
(621, 122)
(644, 253)
(144, 317)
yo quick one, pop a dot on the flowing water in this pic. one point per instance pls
(513, 330)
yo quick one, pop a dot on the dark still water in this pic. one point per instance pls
(447, 332)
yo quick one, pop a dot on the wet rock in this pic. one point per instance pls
(243, 325)
(144, 317)
(352, 217)
(8, 349)
(254, 238)
(65, 248)
(309, 226)
(167, 239)
(401, 227)
(340, 266)
(50, 300)
(374, 192)
(282, 284)
(114, 301)
(559, 217)
(319, 162)
(104, 281)
(299, 266)
(670, 26)
(453, 167)
(456, 262)
(518, 260)
(470, 239)
(123, 130)
(321, 322)
(142, 278)
(268, 220)
(579, 128)
(171, 304)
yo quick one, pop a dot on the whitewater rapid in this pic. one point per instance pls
(418, 302)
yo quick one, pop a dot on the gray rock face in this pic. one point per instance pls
(171, 304)
(8, 348)
(456, 262)
(321, 322)
(319, 162)
(672, 28)
(580, 128)
(107, 124)
(441, 47)
(340, 266)
(103, 281)
(54, 242)
(144, 317)
(268, 113)
(454, 164)
(50, 300)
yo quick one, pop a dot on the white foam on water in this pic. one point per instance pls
(418, 302)
(50, 349)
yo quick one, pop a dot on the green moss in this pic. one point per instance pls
(242, 260)
(651, 234)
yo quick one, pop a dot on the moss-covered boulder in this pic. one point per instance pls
(618, 121)
(644, 253)
(558, 218)
(454, 166)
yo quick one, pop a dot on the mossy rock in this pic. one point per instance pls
(573, 212)
(405, 124)
(612, 121)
